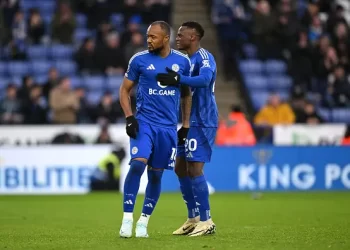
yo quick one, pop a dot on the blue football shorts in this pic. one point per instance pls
(199, 144)
(157, 144)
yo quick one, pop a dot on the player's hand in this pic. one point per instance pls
(182, 135)
(132, 126)
(169, 79)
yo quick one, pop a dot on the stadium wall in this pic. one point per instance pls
(48, 169)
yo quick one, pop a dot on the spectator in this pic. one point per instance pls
(110, 57)
(3, 31)
(84, 109)
(11, 107)
(339, 87)
(236, 130)
(315, 30)
(342, 44)
(9, 9)
(63, 24)
(104, 136)
(36, 27)
(329, 62)
(136, 44)
(309, 115)
(105, 28)
(320, 52)
(312, 11)
(133, 26)
(86, 58)
(275, 112)
(288, 25)
(35, 110)
(335, 17)
(156, 10)
(131, 8)
(15, 51)
(24, 92)
(108, 109)
(67, 138)
(264, 31)
(64, 103)
(19, 28)
(301, 64)
(51, 82)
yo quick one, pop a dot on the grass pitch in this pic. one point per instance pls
(280, 221)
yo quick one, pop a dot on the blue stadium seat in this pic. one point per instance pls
(18, 69)
(66, 67)
(17, 80)
(117, 19)
(76, 82)
(95, 83)
(81, 34)
(251, 66)
(325, 114)
(37, 52)
(40, 67)
(47, 17)
(27, 5)
(341, 115)
(3, 69)
(58, 52)
(275, 67)
(259, 98)
(282, 82)
(113, 83)
(41, 79)
(256, 82)
(46, 6)
(250, 51)
(4, 81)
(81, 20)
(94, 97)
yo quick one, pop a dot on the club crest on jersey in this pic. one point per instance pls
(175, 67)
(134, 150)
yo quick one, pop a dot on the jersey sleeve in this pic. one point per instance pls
(187, 69)
(133, 73)
(206, 71)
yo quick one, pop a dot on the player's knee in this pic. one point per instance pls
(195, 171)
(181, 167)
(137, 167)
(155, 176)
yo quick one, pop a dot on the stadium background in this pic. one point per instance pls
(283, 92)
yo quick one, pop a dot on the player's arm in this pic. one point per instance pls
(124, 96)
(186, 102)
(200, 81)
(131, 75)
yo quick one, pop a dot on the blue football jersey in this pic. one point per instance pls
(204, 111)
(157, 104)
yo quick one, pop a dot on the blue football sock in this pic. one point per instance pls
(187, 194)
(132, 185)
(152, 191)
(201, 194)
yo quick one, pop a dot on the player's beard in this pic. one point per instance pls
(157, 50)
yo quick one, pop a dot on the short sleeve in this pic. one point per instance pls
(206, 61)
(132, 73)
(188, 67)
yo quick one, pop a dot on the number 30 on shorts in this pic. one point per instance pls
(191, 144)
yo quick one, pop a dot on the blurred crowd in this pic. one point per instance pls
(94, 37)
(296, 56)
(311, 36)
